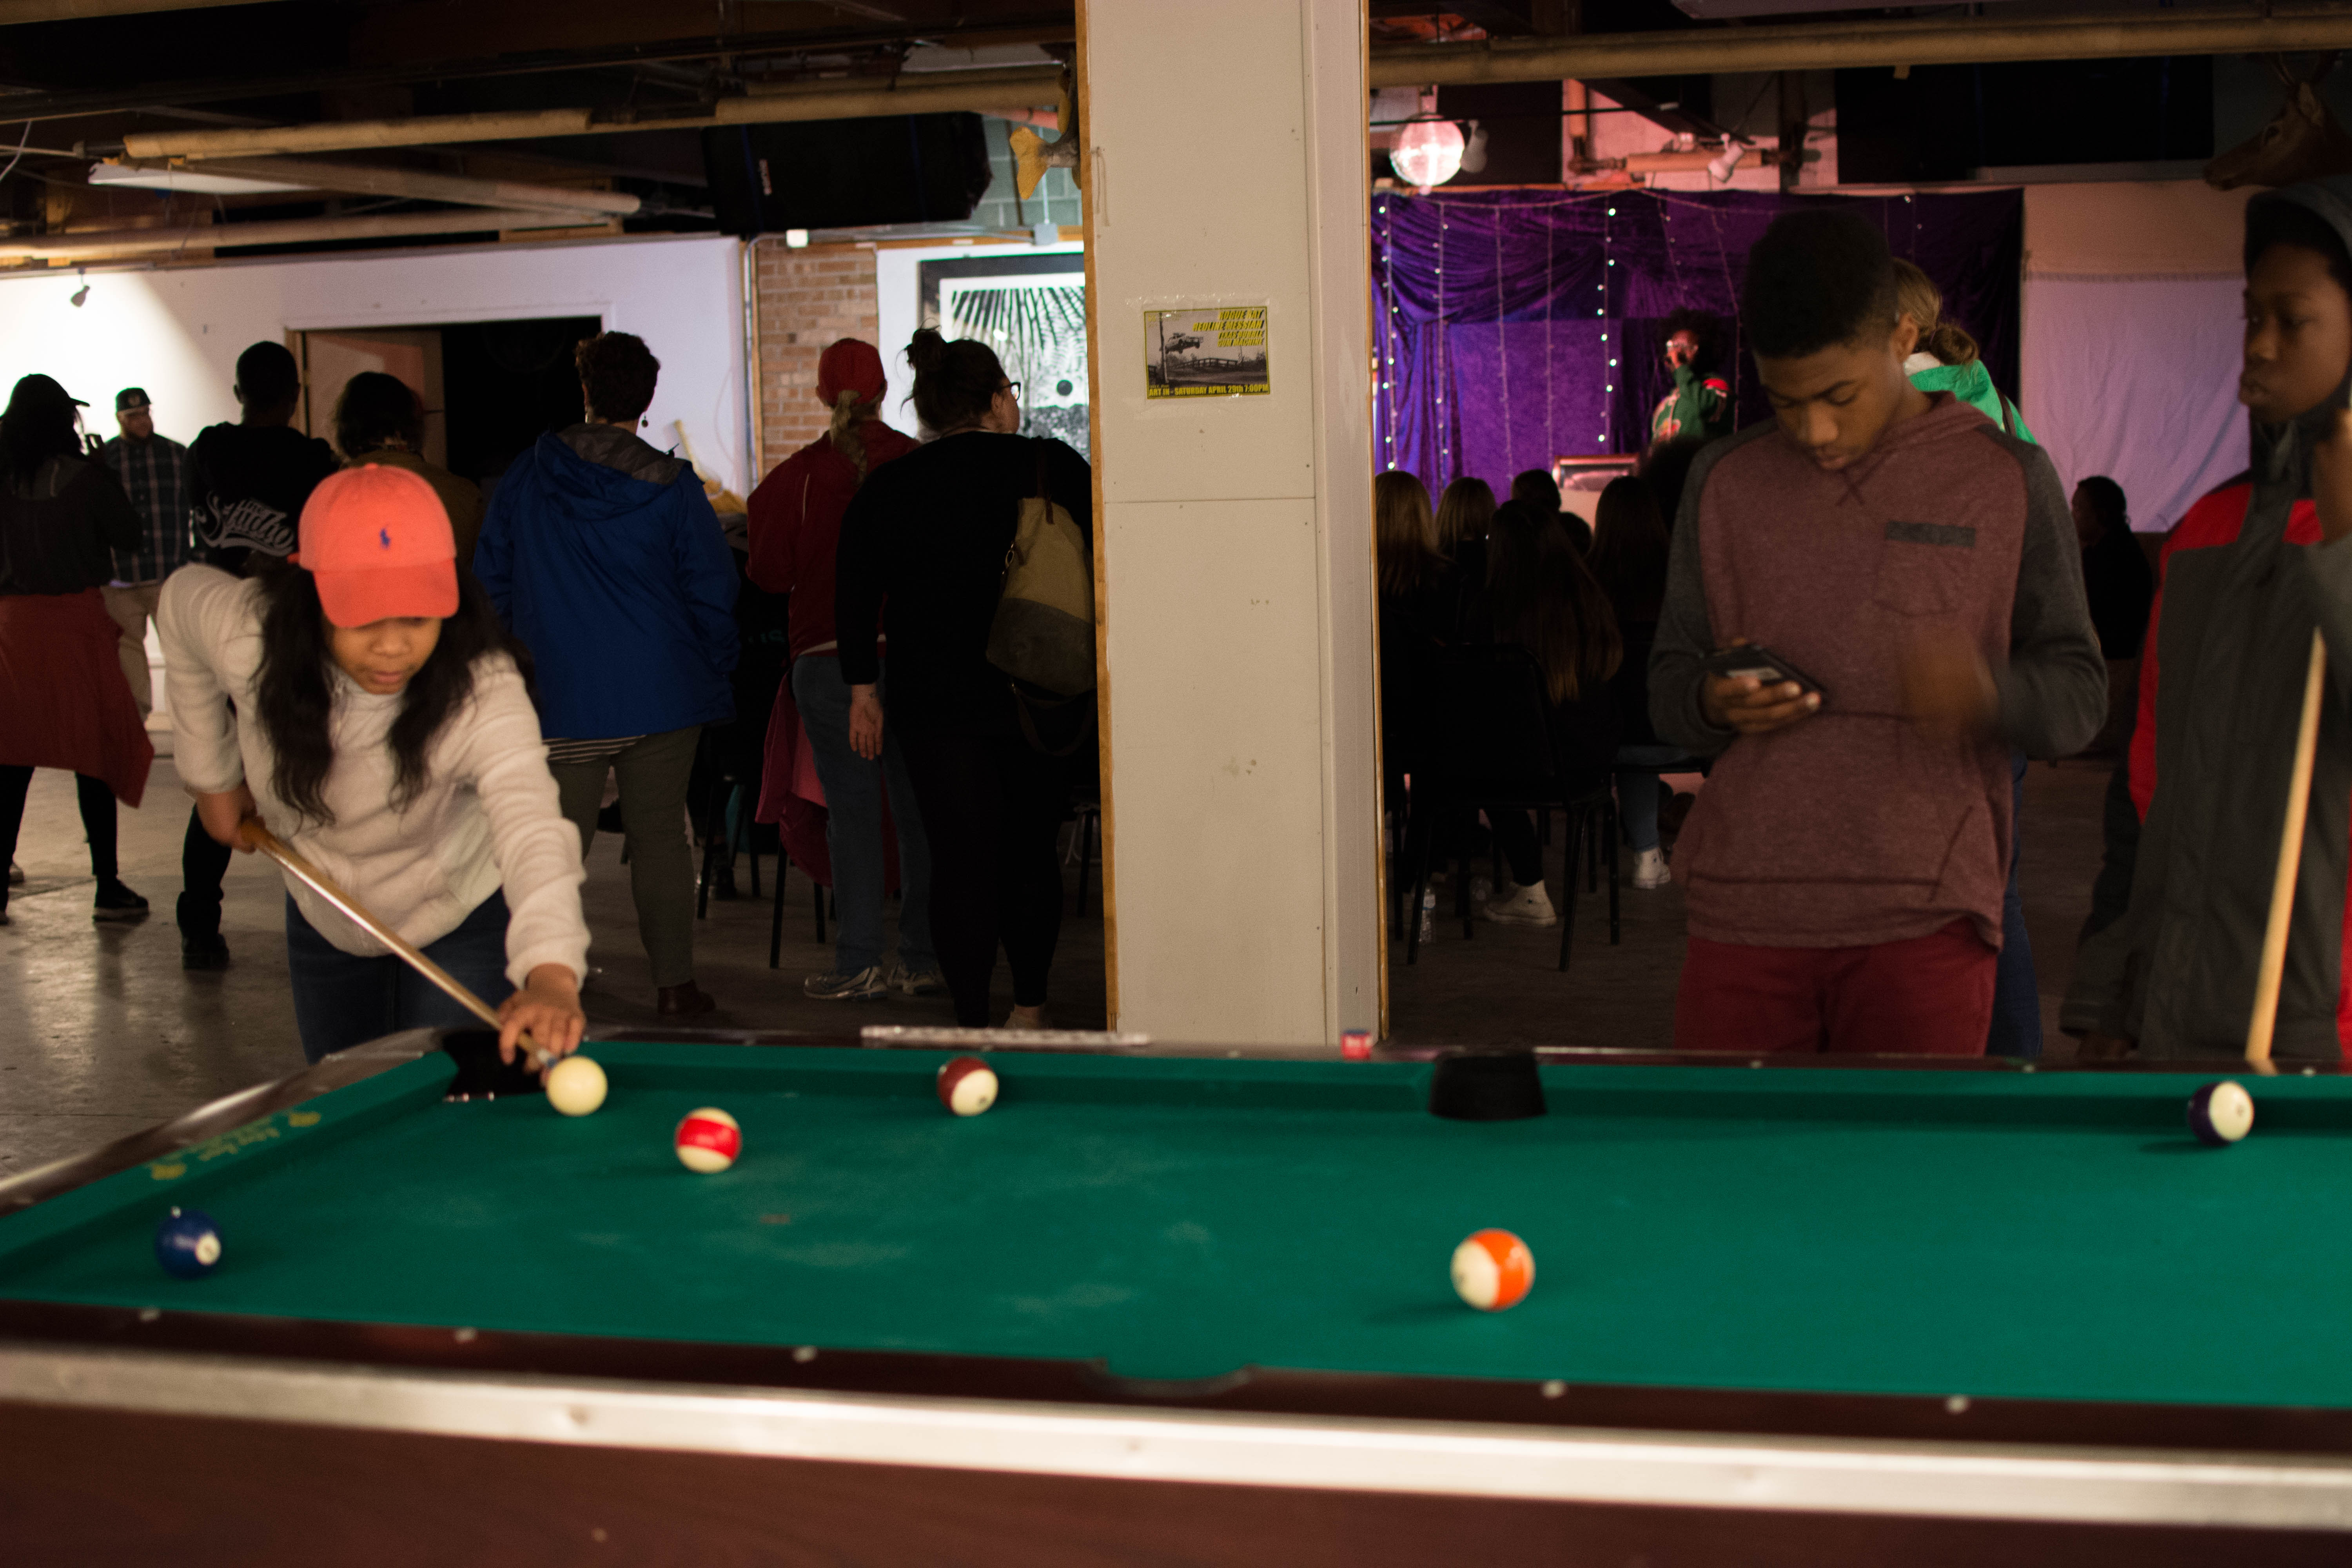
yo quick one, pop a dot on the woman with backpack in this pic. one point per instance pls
(930, 533)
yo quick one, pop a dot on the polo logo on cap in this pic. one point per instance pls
(385, 535)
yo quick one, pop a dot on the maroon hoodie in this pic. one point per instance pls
(795, 526)
(1852, 826)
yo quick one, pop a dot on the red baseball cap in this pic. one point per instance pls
(849, 365)
(377, 539)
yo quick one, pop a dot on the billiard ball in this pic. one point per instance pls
(575, 1086)
(187, 1245)
(967, 1086)
(2221, 1113)
(707, 1141)
(1493, 1270)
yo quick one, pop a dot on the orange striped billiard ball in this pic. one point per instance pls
(1493, 1270)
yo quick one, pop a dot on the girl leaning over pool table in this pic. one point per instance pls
(362, 700)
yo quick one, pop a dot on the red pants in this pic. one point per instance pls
(1929, 997)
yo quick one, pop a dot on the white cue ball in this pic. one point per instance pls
(575, 1086)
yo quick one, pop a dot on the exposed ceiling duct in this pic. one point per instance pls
(362, 180)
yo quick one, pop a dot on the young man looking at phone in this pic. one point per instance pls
(1845, 864)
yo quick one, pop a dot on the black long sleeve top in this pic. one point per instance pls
(58, 533)
(927, 534)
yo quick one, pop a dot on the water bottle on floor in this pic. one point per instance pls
(1428, 913)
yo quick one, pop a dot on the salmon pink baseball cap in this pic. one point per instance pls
(377, 541)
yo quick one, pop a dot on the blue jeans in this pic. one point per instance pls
(341, 1000)
(853, 825)
(1638, 793)
(2016, 994)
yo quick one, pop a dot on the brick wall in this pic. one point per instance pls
(808, 297)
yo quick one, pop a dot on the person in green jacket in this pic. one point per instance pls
(1947, 359)
(1700, 404)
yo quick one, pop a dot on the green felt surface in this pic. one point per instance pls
(1994, 1235)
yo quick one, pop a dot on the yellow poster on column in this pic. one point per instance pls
(1218, 353)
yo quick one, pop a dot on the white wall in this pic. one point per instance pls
(2132, 338)
(177, 332)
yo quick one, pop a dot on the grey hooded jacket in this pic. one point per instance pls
(2176, 971)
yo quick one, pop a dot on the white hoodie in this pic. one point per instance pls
(487, 814)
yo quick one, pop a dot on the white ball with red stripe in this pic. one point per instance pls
(707, 1141)
(1493, 1270)
(967, 1086)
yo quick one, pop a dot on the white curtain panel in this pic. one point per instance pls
(2136, 378)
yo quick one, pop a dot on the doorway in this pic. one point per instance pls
(490, 389)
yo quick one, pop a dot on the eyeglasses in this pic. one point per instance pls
(1014, 388)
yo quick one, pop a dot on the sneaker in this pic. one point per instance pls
(202, 950)
(117, 902)
(1650, 871)
(908, 982)
(867, 984)
(1528, 906)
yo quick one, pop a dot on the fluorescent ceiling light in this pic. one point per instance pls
(190, 180)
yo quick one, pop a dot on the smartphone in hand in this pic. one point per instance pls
(1760, 663)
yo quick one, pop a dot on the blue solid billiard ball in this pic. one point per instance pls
(2221, 1113)
(187, 1245)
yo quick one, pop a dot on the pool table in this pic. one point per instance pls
(1173, 1308)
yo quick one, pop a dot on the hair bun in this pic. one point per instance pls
(927, 351)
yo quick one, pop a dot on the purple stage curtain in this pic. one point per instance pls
(1515, 327)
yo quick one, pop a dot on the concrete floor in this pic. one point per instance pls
(102, 1031)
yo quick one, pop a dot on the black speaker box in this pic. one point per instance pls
(847, 174)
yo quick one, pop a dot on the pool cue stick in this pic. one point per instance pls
(254, 833)
(2273, 967)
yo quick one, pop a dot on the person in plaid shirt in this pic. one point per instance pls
(155, 472)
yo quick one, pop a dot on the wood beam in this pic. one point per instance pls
(100, 245)
(16, 11)
(1859, 44)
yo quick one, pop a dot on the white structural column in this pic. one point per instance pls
(1226, 169)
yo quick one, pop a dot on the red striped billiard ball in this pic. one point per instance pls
(707, 1141)
(1493, 1270)
(967, 1086)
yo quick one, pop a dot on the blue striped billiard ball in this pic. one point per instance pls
(2221, 1113)
(187, 1245)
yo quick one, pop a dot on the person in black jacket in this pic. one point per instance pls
(930, 532)
(1629, 558)
(2115, 574)
(1540, 595)
(64, 699)
(251, 480)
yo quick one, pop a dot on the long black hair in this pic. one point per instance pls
(294, 691)
(1630, 546)
(1547, 601)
